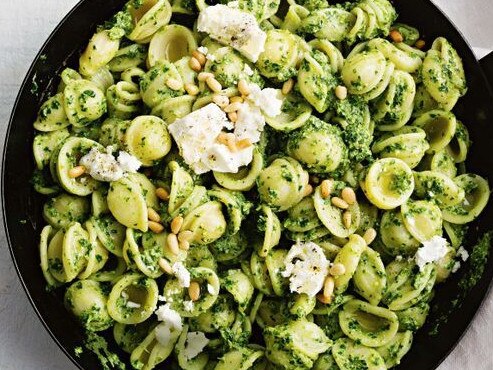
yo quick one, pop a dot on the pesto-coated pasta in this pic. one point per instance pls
(266, 189)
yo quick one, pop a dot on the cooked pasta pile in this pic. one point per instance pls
(276, 187)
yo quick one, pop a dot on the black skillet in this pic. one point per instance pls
(20, 202)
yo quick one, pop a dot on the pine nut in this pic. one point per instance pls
(321, 298)
(192, 89)
(370, 235)
(199, 57)
(236, 99)
(308, 190)
(396, 36)
(155, 227)
(153, 215)
(184, 245)
(77, 171)
(329, 285)
(185, 235)
(162, 194)
(287, 86)
(337, 269)
(339, 203)
(213, 84)
(172, 243)
(233, 117)
(194, 291)
(176, 224)
(173, 84)
(229, 140)
(326, 188)
(165, 266)
(233, 107)
(243, 87)
(420, 44)
(195, 64)
(222, 138)
(348, 195)
(222, 101)
(203, 76)
(347, 219)
(341, 92)
(243, 144)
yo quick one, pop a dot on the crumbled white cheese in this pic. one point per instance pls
(167, 315)
(248, 70)
(233, 27)
(188, 305)
(306, 268)
(102, 166)
(234, 4)
(456, 267)
(195, 344)
(128, 163)
(399, 258)
(250, 123)
(431, 251)
(268, 100)
(182, 274)
(463, 254)
(161, 298)
(131, 304)
(203, 49)
(211, 289)
(196, 136)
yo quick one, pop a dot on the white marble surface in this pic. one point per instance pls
(24, 344)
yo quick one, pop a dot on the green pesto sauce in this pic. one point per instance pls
(98, 345)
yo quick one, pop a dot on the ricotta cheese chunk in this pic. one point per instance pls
(195, 344)
(233, 27)
(170, 322)
(432, 251)
(182, 274)
(103, 166)
(306, 267)
(127, 162)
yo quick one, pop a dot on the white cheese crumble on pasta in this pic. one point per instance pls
(306, 268)
(463, 254)
(103, 166)
(195, 344)
(170, 322)
(432, 251)
(188, 305)
(233, 27)
(181, 273)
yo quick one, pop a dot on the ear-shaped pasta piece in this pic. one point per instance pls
(413, 318)
(394, 107)
(332, 216)
(151, 352)
(124, 100)
(456, 233)
(46, 235)
(148, 188)
(332, 23)
(281, 55)
(148, 139)
(397, 240)
(276, 263)
(206, 222)
(174, 108)
(128, 337)
(236, 205)
(240, 287)
(301, 305)
(76, 246)
(335, 56)
(52, 116)
(67, 76)
(349, 256)
(407, 144)
(103, 79)
(87, 301)
(259, 273)
(181, 186)
(460, 144)
(176, 295)
(222, 315)
(54, 255)
(440, 127)
(133, 298)
(303, 342)
(148, 17)
(424, 102)
(84, 102)
(200, 256)
(186, 72)
(302, 217)
(294, 17)
(101, 50)
(282, 184)
(45, 144)
(437, 187)
(130, 56)
(405, 58)
(268, 223)
(243, 358)
(369, 325)
(406, 285)
(369, 278)
(171, 43)
(127, 204)
(198, 362)
(389, 183)
(422, 219)
(64, 209)
(229, 248)
(97, 256)
(316, 80)
(117, 267)
(110, 233)
(245, 179)
(346, 352)
(402, 342)
(154, 84)
(477, 194)
(318, 145)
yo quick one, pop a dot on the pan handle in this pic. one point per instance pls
(487, 66)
